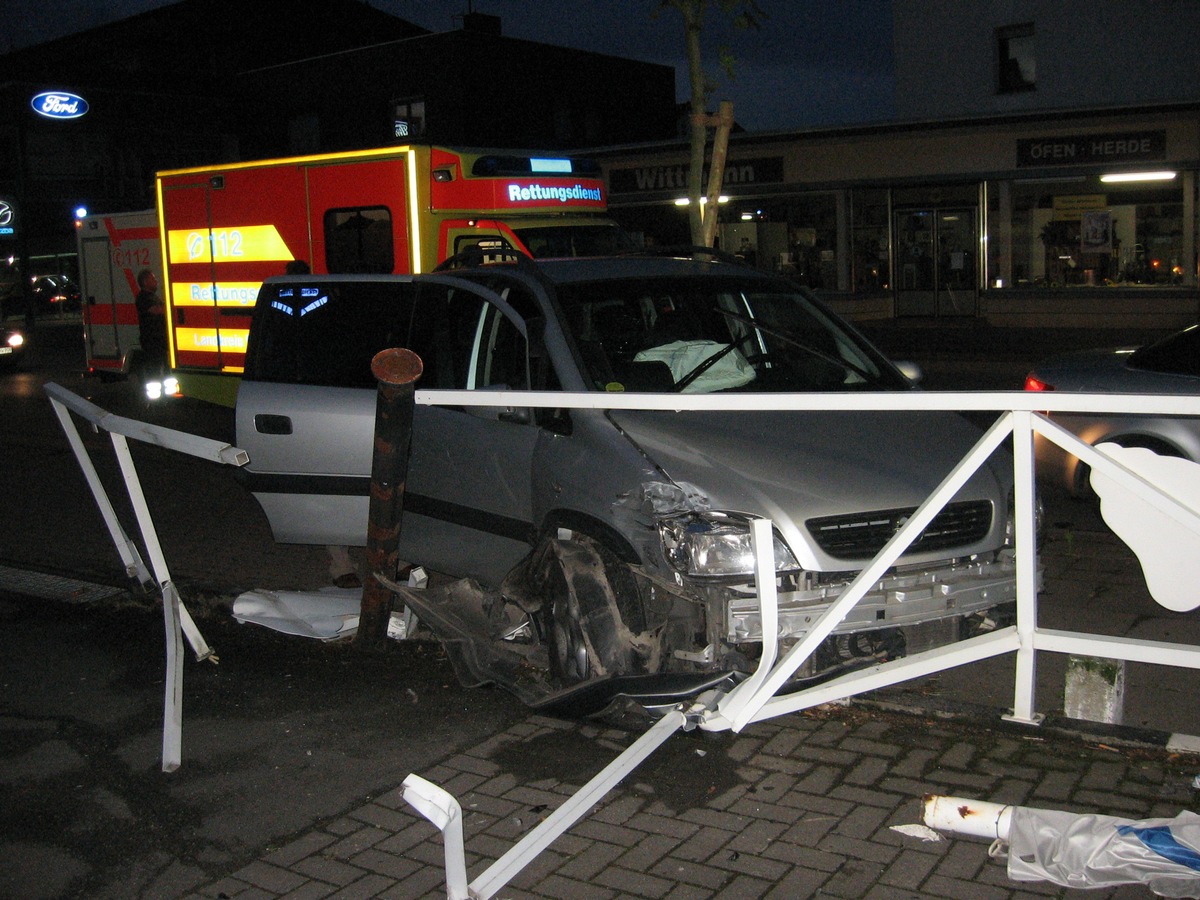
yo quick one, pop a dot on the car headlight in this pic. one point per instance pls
(716, 544)
(16, 339)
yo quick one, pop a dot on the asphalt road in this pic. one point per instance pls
(285, 731)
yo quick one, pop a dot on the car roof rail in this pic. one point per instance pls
(687, 250)
(474, 258)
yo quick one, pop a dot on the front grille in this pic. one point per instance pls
(862, 535)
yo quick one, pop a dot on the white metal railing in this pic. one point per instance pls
(178, 621)
(1019, 415)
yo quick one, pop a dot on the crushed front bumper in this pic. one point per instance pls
(900, 599)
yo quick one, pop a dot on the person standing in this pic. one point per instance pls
(152, 325)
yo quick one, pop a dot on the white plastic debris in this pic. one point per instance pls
(329, 614)
(923, 832)
(1082, 851)
(1098, 851)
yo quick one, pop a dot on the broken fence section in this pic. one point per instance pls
(1143, 494)
(157, 577)
(1142, 498)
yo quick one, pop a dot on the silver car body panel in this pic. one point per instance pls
(791, 467)
(1103, 372)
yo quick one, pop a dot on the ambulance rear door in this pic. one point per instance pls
(112, 250)
(226, 231)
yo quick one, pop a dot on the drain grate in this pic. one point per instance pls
(55, 587)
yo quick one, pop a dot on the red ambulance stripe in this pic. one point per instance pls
(117, 235)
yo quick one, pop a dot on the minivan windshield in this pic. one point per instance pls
(701, 335)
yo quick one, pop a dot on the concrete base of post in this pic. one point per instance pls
(1095, 689)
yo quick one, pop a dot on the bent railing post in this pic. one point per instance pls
(177, 621)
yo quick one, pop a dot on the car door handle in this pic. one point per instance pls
(266, 423)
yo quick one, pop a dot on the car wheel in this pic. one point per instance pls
(1083, 472)
(592, 616)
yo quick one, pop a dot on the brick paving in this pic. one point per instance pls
(803, 806)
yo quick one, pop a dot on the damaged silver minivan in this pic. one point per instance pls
(597, 553)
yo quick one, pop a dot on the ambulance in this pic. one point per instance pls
(113, 249)
(399, 210)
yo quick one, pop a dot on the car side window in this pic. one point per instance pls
(500, 354)
(466, 343)
(327, 333)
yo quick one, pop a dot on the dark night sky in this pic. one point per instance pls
(816, 62)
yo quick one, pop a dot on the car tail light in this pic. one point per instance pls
(1033, 383)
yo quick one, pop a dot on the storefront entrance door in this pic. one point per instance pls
(936, 254)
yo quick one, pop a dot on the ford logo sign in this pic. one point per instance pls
(59, 105)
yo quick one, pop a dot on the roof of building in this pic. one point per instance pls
(224, 38)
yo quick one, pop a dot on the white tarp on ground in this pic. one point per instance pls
(1082, 851)
(329, 614)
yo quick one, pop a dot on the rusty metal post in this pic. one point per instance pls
(397, 371)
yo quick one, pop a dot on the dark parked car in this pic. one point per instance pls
(1168, 366)
(609, 551)
(55, 294)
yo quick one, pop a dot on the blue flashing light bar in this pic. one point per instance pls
(562, 166)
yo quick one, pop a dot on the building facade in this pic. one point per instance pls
(1042, 168)
(201, 82)
(1080, 219)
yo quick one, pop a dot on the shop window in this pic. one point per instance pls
(812, 229)
(359, 240)
(1077, 232)
(869, 212)
(1016, 62)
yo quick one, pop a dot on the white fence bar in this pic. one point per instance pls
(1184, 656)
(177, 621)
(1024, 493)
(440, 808)
(918, 665)
(135, 568)
(503, 870)
(168, 438)
(884, 401)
